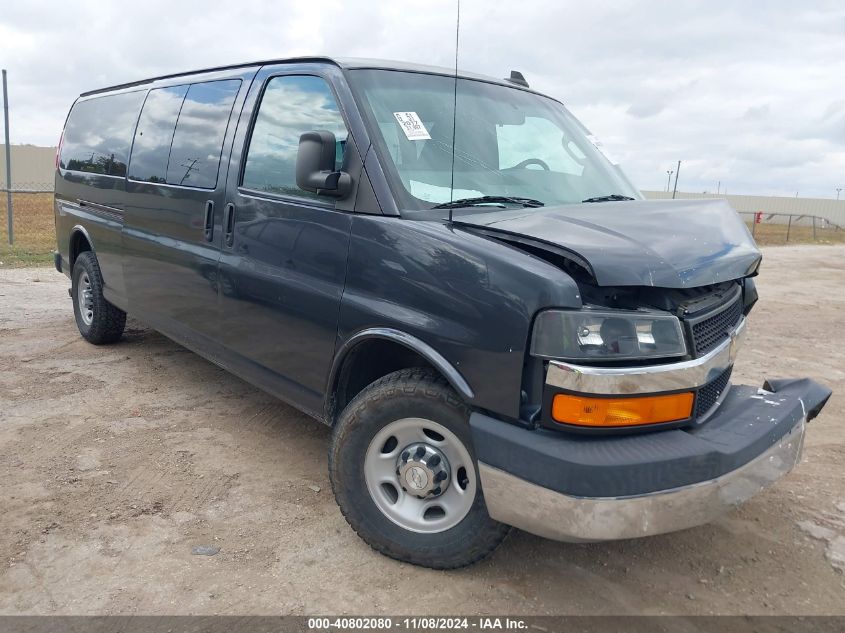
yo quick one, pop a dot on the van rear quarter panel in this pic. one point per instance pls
(101, 218)
(91, 200)
(470, 298)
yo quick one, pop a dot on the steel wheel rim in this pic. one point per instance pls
(433, 514)
(85, 299)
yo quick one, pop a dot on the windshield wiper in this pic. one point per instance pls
(485, 200)
(611, 198)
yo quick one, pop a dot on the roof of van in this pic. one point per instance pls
(344, 62)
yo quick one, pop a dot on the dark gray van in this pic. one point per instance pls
(448, 272)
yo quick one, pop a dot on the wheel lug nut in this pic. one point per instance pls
(422, 471)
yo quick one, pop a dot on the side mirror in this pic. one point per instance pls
(315, 170)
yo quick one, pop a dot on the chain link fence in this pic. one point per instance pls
(786, 228)
(30, 187)
(33, 237)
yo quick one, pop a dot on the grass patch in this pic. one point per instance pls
(21, 257)
(766, 234)
(34, 230)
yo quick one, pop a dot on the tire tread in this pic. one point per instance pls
(109, 320)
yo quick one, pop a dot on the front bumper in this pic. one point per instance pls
(588, 488)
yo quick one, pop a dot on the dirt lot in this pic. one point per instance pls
(116, 461)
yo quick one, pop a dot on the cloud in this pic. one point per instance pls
(645, 109)
(743, 93)
(756, 113)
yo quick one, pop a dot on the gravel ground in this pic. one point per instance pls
(117, 461)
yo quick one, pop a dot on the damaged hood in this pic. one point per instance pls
(663, 243)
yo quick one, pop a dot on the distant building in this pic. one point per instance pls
(32, 167)
(775, 209)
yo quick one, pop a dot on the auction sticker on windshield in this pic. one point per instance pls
(412, 126)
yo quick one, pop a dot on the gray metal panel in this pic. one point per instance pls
(32, 167)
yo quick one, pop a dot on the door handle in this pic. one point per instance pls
(209, 220)
(229, 224)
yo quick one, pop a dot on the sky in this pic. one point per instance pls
(749, 95)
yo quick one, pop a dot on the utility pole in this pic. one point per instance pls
(189, 165)
(669, 173)
(838, 191)
(9, 215)
(677, 172)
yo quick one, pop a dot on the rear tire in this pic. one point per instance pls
(98, 321)
(403, 436)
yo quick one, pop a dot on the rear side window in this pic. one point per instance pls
(98, 134)
(291, 105)
(151, 148)
(200, 129)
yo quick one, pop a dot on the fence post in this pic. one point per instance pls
(788, 227)
(814, 228)
(9, 214)
(677, 172)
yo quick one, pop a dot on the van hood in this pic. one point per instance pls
(663, 243)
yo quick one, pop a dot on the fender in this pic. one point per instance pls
(78, 229)
(452, 375)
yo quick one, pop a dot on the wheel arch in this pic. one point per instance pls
(80, 241)
(375, 352)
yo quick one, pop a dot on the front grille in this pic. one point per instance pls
(710, 332)
(709, 394)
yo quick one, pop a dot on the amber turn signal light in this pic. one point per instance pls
(615, 412)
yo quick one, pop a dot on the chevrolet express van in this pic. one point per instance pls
(446, 270)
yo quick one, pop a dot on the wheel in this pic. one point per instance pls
(404, 475)
(98, 321)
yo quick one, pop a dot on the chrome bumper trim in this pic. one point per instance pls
(561, 517)
(689, 374)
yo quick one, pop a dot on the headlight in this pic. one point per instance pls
(606, 335)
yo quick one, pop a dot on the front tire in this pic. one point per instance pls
(98, 321)
(403, 472)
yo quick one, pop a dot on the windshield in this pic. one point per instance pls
(508, 142)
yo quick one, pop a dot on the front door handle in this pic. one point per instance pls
(229, 224)
(209, 221)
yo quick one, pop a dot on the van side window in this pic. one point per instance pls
(98, 134)
(151, 147)
(291, 105)
(198, 139)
